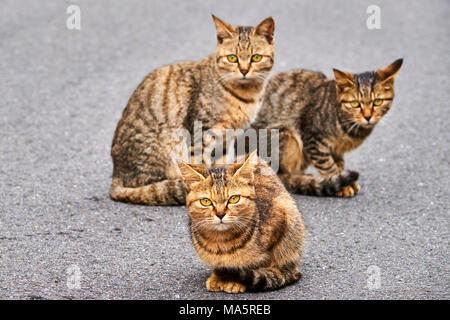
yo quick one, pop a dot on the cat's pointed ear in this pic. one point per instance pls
(266, 29)
(390, 72)
(223, 29)
(247, 168)
(190, 175)
(343, 79)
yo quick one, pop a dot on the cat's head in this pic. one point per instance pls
(221, 198)
(365, 98)
(244, 54)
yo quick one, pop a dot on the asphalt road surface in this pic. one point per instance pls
(63, 91)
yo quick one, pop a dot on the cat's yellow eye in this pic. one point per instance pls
(232, 58)
(377, 102)
(256, 58)
(234, 199)
(205, 202)
(354, 104)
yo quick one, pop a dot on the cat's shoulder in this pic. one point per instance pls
(187, 65)
(188, 69)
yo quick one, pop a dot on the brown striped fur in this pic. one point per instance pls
(258, 242)
(213, 91)
(318, 124)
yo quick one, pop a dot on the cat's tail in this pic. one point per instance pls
(309, 184)
(261, 279)
(163, 193)
(273, 278)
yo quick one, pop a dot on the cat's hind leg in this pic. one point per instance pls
(153, 181)
(291, 152)
(293, 163)
(339, 182)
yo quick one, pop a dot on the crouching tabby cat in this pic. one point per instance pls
(320, 120)
(221, 91)
(244, 224)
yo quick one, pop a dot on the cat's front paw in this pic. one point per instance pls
(349, 191)
(233, 287)
(215, 284)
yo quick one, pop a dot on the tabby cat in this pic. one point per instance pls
(320, 120)
(244, 224)
(222, 91)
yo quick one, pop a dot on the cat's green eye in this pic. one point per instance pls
(354, 104)
(232, 58)
(377, 102)
(256, 58)
(205, 202)
(234, 199)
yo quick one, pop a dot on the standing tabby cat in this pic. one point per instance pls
(245, 225)
(222, 91)
(320, 120)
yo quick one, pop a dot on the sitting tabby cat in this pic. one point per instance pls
(320, 120)
(222, 91)
(244, 224)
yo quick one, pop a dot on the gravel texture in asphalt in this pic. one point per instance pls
(63, 92)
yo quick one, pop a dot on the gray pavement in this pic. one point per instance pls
(63, 92)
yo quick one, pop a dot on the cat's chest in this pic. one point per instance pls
(251, 111)
(240, 116)
(238, 252)
(240, 108)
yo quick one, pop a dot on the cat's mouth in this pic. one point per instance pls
(365, 125)
(244, 79)
(247, 78)
(368, 125)
(221, 226)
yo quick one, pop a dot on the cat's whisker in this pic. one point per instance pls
(263, 77)
(351, 128)
(225, 77)
(200, 225)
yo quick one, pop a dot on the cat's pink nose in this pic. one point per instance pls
(220, 214)
(244, 71)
